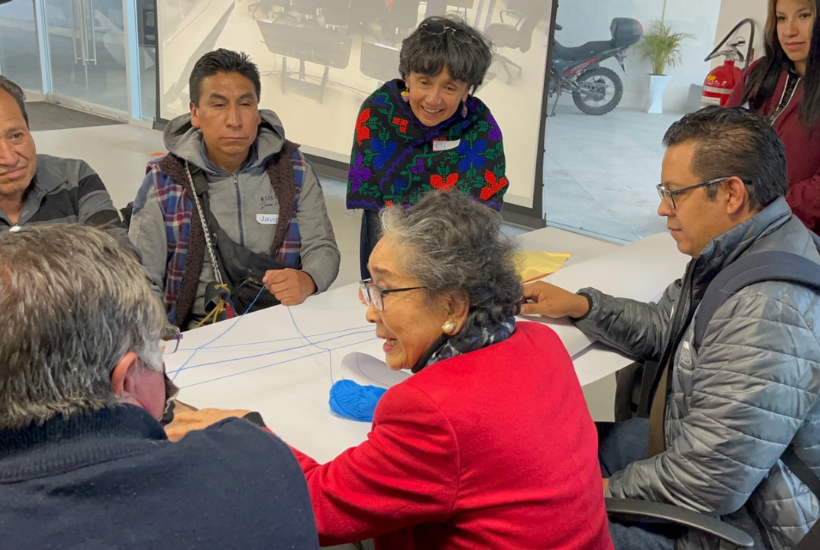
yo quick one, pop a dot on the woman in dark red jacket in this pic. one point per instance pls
(490, 443)
(784, 86)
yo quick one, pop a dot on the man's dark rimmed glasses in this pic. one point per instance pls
(375, 295)
(169, 339)
(668, 195)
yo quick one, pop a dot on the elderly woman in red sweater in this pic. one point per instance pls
(489, 444)
(784, 87)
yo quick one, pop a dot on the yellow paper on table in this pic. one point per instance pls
(534, 265)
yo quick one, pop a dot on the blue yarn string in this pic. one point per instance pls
(275, 340)
(347, 398)
(274, 364)
(230, 328)
(310, 342)
(274, 352)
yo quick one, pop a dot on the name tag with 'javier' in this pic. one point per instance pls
(267, 219)
(442, 145)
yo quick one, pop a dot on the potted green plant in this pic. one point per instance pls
(661, 47)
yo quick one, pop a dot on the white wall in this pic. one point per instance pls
(734, 11)
(588, 20)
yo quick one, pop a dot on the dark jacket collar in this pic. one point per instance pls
(61, 444)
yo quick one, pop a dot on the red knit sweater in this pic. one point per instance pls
(491, 449)
(802, 152)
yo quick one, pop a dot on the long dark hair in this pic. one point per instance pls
(764, 76)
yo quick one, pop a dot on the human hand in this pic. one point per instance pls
(190, 421)
(551, 301)
(289, 286)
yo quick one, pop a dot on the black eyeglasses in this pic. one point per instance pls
(375, 295)
(169, 339)
(668, 195)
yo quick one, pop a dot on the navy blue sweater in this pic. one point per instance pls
(111, 479)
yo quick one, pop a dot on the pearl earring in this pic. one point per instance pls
(449, 327)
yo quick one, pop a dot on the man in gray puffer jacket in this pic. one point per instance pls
(733, 405)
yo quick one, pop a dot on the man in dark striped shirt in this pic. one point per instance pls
(36, 189)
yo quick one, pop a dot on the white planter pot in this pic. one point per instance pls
(657, 84)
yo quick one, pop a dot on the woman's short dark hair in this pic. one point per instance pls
(454, 246)
(222, 61)
(449, 42)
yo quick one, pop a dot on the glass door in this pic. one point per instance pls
(19, 53)
(87, 53)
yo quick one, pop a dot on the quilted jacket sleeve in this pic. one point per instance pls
(753, 384)
(634, 328)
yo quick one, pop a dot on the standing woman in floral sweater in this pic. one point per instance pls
(784, 87)
(426, 131)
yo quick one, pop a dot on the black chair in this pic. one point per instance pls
(436, 7)
(379, 61)
(268, 7)
(653, 512)
(315, 44)
(365, 13)
(439, 7)
(403, 18)
(336, 13)
(516, 32)
(127, 211)
(306, 7)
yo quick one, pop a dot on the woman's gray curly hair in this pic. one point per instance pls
(455, 246)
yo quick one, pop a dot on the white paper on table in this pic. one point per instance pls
(639, 271)
(597, 362)
(368, 370)
(574, 340)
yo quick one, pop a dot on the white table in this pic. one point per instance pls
(279, 361)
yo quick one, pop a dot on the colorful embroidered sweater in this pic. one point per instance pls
(397, 160)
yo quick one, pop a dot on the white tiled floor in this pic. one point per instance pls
(600, 172)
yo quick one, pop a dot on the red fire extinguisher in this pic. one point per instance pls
(722, 80)
(719, 84)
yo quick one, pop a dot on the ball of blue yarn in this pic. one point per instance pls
(354, 401)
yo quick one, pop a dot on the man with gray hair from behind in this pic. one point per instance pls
(84, 461)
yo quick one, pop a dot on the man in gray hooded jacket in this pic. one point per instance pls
(230, 162)
(731, 407)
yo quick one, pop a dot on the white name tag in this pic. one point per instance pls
(267, 219)
(445, 145)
